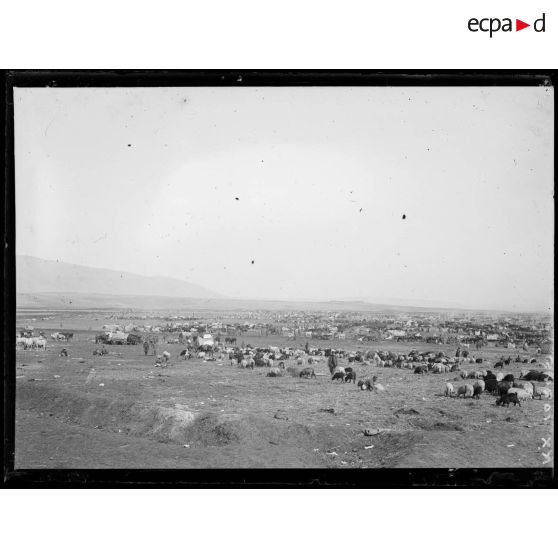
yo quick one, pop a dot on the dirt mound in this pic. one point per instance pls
(433, 424)
(164, 424)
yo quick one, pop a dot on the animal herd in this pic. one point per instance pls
(506, 388)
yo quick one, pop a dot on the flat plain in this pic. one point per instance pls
(120, 411)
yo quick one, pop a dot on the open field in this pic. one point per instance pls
(119, 410)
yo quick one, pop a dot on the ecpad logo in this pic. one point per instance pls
(493, 25)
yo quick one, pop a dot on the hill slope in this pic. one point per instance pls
(34, 275)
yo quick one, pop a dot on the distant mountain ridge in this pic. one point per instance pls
(35, 275)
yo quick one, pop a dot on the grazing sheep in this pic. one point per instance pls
(542, 393)
(527, 386)
(274, 372)
(466, 390)
(503, 388)
(499, 364)
(364, 384)
(339, 369)
(449, 391)
(509, 378)
(480, 383)
(536, 376)
(350, 375)
(338, 376)
(500, 376)
(522, 395)
(491, 385)
(307, 372)
(507, 399)
(477, 391)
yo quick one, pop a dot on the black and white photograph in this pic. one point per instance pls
(312, 276)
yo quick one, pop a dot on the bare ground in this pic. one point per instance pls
(196, 414)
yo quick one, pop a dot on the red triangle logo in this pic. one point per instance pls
(519, 25)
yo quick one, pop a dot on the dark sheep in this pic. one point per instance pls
(499, 364)
(509, 378)
(507, 399)
(478, 360)
(350, 375)
(420, 370)
(338, 376)
(533, 360)
(491, 385)
(477, 390)
(490, 375)
(503, 388)
(536, 376)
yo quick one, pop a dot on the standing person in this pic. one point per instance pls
(306, 347)
(332, 362)
(145, 347)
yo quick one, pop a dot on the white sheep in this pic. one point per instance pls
(449, 391)
(542, 393)
(522, 395)
(466, 390)
(479, 383)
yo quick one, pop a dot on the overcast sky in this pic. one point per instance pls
(147, 181)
